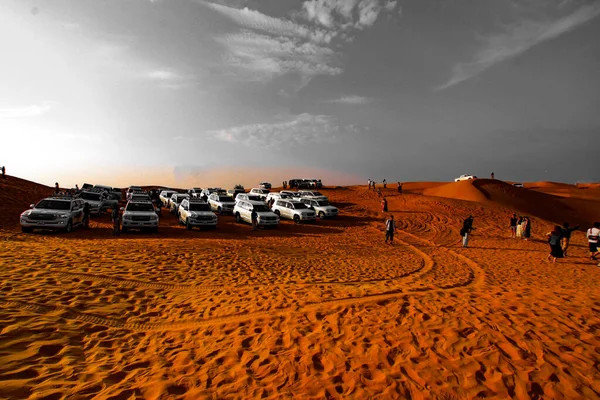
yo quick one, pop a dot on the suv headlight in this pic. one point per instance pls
(26, 213)
(63, 215)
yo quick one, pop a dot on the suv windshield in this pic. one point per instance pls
(140, 207)
(299, 206)
(260, 208)
(199, 207)
(54, 205)
(323, 203)
(169, 194)
(255, 198)
(225, 199)
(91, 196)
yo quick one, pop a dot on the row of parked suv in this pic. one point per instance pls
(140, 212)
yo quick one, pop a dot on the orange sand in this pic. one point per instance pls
(312, 311)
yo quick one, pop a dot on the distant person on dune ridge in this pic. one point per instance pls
(399, 188)
(56, 188)
(513, 226)
(492, 175)
(519, 227)
(592, 235)
(384, 183)
(466, 230)
(369, 182)
(554, 238)
(527, 230)
(384, 205)
(3, 172)
(390, 228)
(566, 236)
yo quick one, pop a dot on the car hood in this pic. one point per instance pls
(141, 213)
(226, 203)
(46, 211)
(266, 214)
(93, 202)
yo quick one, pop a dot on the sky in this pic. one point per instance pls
(212, 93)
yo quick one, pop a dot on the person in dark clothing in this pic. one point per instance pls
(384, 184)
(513, 226)
(384, 205)
(399, 188)
(3, 172)
(56, 188)
(527, 230)
(86, 215)
(466, 230)
(116, 220)
(254, 217)
(554, 242)
(492, 175)
(566, 236)
(390, 228)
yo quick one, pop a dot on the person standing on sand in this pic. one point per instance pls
(513, 226)
(384, 205)
(86, 215)
(56, 188)
(566, 237)
(492, 175)
(384, 183)
(592, 235)
(369, 182)
(390, 228)
(554, 242)
(3, 172)
(254, 217)
(519, 227)
(527, 231)
(466, 230)
(116, 220)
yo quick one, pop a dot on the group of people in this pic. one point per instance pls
(560, 237)
(520, 227)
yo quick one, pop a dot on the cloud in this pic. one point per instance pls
(301, 129)
(351, 100)
(27, 111)
(342, 15)
(169, 78)
(517, 39)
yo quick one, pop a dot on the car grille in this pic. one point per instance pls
(42, 217)
(204, 218)
(269, 218)
(140, 218)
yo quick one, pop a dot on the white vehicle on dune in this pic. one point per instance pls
(193, 212)
(294, 210)
(260, 192)
(465, 178)
(322, 208)
(221, 203)
(312, 195)
(57, 213)
(243, 213)
(176, 200)
(139, 215)
(165, 197)
(248, 196)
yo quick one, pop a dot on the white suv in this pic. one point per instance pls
(260, 192)
(165, 197)
(221, 203)
(95, 200)
(176, 200)
(248, 196)
(243, 212)
(465, 178)
(312, 195)
(294, 210)
(264, 185)
(139, 215)
(62, 213)
(193, 212)
(322, 208)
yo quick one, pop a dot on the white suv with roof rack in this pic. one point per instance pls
(294, 210)
(321, 207)
(193, 212)
(248, 196)
(139, 215)
(63, 213)
(95, 200)
(260, 192)
(165, 197)
(221, 203)
(243, 212)
(312, 195)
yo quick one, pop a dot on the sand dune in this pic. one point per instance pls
(317, 311)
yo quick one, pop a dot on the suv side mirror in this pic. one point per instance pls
(31, 205)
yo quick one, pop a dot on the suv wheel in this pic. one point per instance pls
(321, 215)
(188, 226)
(238, 218)
(296, 219)
(69, 227)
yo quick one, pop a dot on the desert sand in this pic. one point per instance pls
(312, 311)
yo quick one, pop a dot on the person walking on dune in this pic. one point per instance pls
(513, 226)
(384, 205)
(554, 238)
(466, 230)
(399, 188)
(390, 228)
(592, 235)
(3, 172)
(519, 227)
(566, 237)
(384, 183)
(116, 220)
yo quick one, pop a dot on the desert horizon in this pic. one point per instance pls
(311, 310)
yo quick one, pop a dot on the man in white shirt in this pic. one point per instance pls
(592, 236)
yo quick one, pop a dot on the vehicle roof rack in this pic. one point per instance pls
(61, 197)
